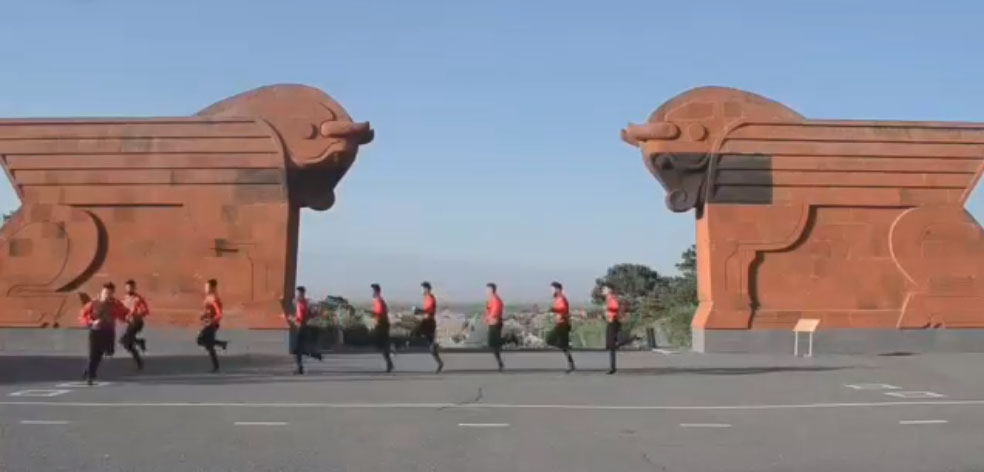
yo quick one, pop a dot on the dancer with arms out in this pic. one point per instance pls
(211, 318)
(428, 325)
(613, 311)
(138, 310)
(380, 312)
(304, 337)
(562, 331)
(493, 318)
(100, 316)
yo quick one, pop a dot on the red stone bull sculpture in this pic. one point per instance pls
(170, 202)
(860, 224)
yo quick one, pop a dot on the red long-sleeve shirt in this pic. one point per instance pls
(430, 305)
(137, 305)
(561, 308)
(302, 311)
(379, 310)
(612, 307)
(98, 314)
(213, 309)
(493, 310)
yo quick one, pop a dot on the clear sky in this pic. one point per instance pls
(497, 154)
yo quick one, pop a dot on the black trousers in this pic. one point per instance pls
(495, 342)
(100, 343)
(206, 339)
(611, 340)
(381, 337)
(305, 344)
(129, 339)
(495, 337)
(561, 336)
(427, 329)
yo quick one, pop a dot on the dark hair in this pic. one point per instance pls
(300, 288)
(213, 283)
(109, 286)
(426, 285)
(130, 282)
(557, 285)
(492, 285)
(375, 287)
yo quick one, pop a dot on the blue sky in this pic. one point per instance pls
(497, 153)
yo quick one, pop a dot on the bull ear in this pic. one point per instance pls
(84, 298)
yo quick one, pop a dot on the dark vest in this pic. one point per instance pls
(102, 311)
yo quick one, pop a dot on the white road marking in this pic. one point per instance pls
(923, 421)
(483, 425)
(705, 425)
(517, 406)
(872, 386)
(82, 384)
(43, 422)
(38, 393)
(260, 423)
(915, 394)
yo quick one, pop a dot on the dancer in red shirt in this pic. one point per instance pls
(612, 310)
(211, 318)
(100, 316)
(305, 339)
(381, 332)
(137, 311)
(493, 319)
(562, 331)
(428, 325)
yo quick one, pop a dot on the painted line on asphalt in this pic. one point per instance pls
(915, 394)
(483, 425)
(38, 393)
(43, 422)
(260, 423)
(82, 384)
(872, 386)
(705, 425)
(923, 422)
(516, 406)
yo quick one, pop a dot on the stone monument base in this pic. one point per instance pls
(840, 341)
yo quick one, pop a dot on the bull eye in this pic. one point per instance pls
(665, 162)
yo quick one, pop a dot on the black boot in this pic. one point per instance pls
(570, 362)
(611, 362)
(142, 343)
(389, 362)
(437, 358)
(214, 358)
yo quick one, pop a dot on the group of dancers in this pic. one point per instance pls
(427, 328)
(101, 314)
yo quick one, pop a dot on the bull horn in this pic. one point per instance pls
(633, 134)
(361, 132)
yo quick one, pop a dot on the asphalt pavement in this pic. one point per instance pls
(662, 412)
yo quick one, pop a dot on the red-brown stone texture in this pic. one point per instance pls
(858, 223)
(170, 203)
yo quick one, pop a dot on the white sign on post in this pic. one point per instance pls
(808, 326)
